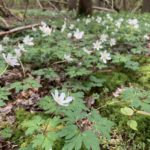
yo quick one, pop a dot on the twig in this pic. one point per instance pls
(23, 70)
(139, 4)
(4, 22)
(59, 62)
(65, 3)
(39, 4)
(142, 113)
(27, 4)
(19, 29)
(6, 11)
(103, 9)
(50, 3)
(3, 71)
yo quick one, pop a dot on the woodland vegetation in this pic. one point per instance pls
(74, 75)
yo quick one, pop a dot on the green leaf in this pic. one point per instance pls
(28, 147)
(132, 65)
(138, 98)
(2, 103)
(25, 85)
(73, 143)
(74, 139)
(4, 93)
(32, 125)
(48, 104)
(6, 133)
(45, 142)
(77, 71)
(66, 131)
(127, 111)
(132, 124)
(90, 140)
(96, 82)
(48, 73)
(101, 125)
(118, 58)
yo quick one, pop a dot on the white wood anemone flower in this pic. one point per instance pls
(118, 92)
(1, 48)
(103, 38)
(87, 21)
(11, 60)
(18, 52)
(21, 47)
(63, 27)
(69, 35)
(109, 17)
(146, 37)
(87, 51)
(119, 22)
(61, 98)
(71, 26)
(97, 45)
(105, 56)
(45, 29)
(28, 41)
(6, 39)
(68, 57)
(78, 20)
(134, 23)
(78, 34)
(98, 19)
(112, 42)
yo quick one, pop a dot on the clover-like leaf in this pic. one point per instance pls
(132, 124)
(127, 111)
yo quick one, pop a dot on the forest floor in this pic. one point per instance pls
(75, 82)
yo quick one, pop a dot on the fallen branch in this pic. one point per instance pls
(54, 1)
(103, 9)
(18, 29)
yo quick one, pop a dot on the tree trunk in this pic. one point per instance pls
(85, 7)
(125, 5)
(100, 3)
(72, 4)
(146, 6)
(5, 12)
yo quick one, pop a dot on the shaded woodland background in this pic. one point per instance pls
(119, 5)
(11, 10)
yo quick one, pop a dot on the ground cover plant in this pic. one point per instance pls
(77, 83)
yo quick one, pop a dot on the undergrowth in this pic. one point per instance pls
(77, 83)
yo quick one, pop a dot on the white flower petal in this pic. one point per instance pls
(62, 97)
(11, 60)
(28, 40)
(69, 99)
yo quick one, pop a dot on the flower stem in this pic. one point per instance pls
(143, 113)
(23, 70)
(4, 71)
